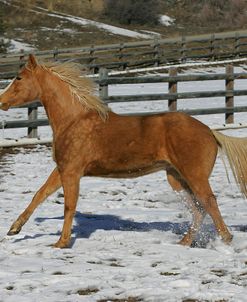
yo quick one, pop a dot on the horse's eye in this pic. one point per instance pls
(18, 78)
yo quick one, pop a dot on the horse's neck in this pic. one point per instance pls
(59, 104)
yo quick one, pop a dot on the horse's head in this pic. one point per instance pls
(23, 89)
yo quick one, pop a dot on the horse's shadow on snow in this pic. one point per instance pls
(87, 224)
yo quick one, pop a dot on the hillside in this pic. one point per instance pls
(49, 24)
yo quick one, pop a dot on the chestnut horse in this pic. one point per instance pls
(91, 140)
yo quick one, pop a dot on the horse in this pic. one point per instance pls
(89, 139)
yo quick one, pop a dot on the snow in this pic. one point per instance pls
(166, 20)
(125, 232)
(16, 46)
(109, 28)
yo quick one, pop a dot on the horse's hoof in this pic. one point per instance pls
(14, 229)
(61, 245)
(185, 241)
(228, 239)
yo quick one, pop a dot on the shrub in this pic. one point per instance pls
(223, 13)
(133, 11)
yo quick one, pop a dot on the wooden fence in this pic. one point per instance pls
(143, 53)
(172, 96)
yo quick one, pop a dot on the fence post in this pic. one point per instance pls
(212, 47)
(183, 49)
(172, 85)
(229, 117)
(120, 50)
(120, 56)
(156, 47)
(22, 58)
(103, 87)
(55, 54)
(32, 132)
(92, 59)
(237, 45)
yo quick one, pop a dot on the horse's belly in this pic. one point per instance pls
(124, 172)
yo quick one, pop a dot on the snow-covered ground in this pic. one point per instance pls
(125, 232)
(16, 46)
(102, 26)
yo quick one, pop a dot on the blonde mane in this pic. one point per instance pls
(82, 89)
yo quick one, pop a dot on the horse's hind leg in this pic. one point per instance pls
(52, 184)
(198, 213)
(207, 200)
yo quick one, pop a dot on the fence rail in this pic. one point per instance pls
(172, 96)
(143, 53)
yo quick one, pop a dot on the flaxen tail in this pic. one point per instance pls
(235, 150)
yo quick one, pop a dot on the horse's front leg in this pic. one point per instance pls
(70, 182)
(52, 184)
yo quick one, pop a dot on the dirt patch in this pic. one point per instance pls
(129, 299)
(87, 291)
(6, 151)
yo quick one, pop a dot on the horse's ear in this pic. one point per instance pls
(32, 62)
